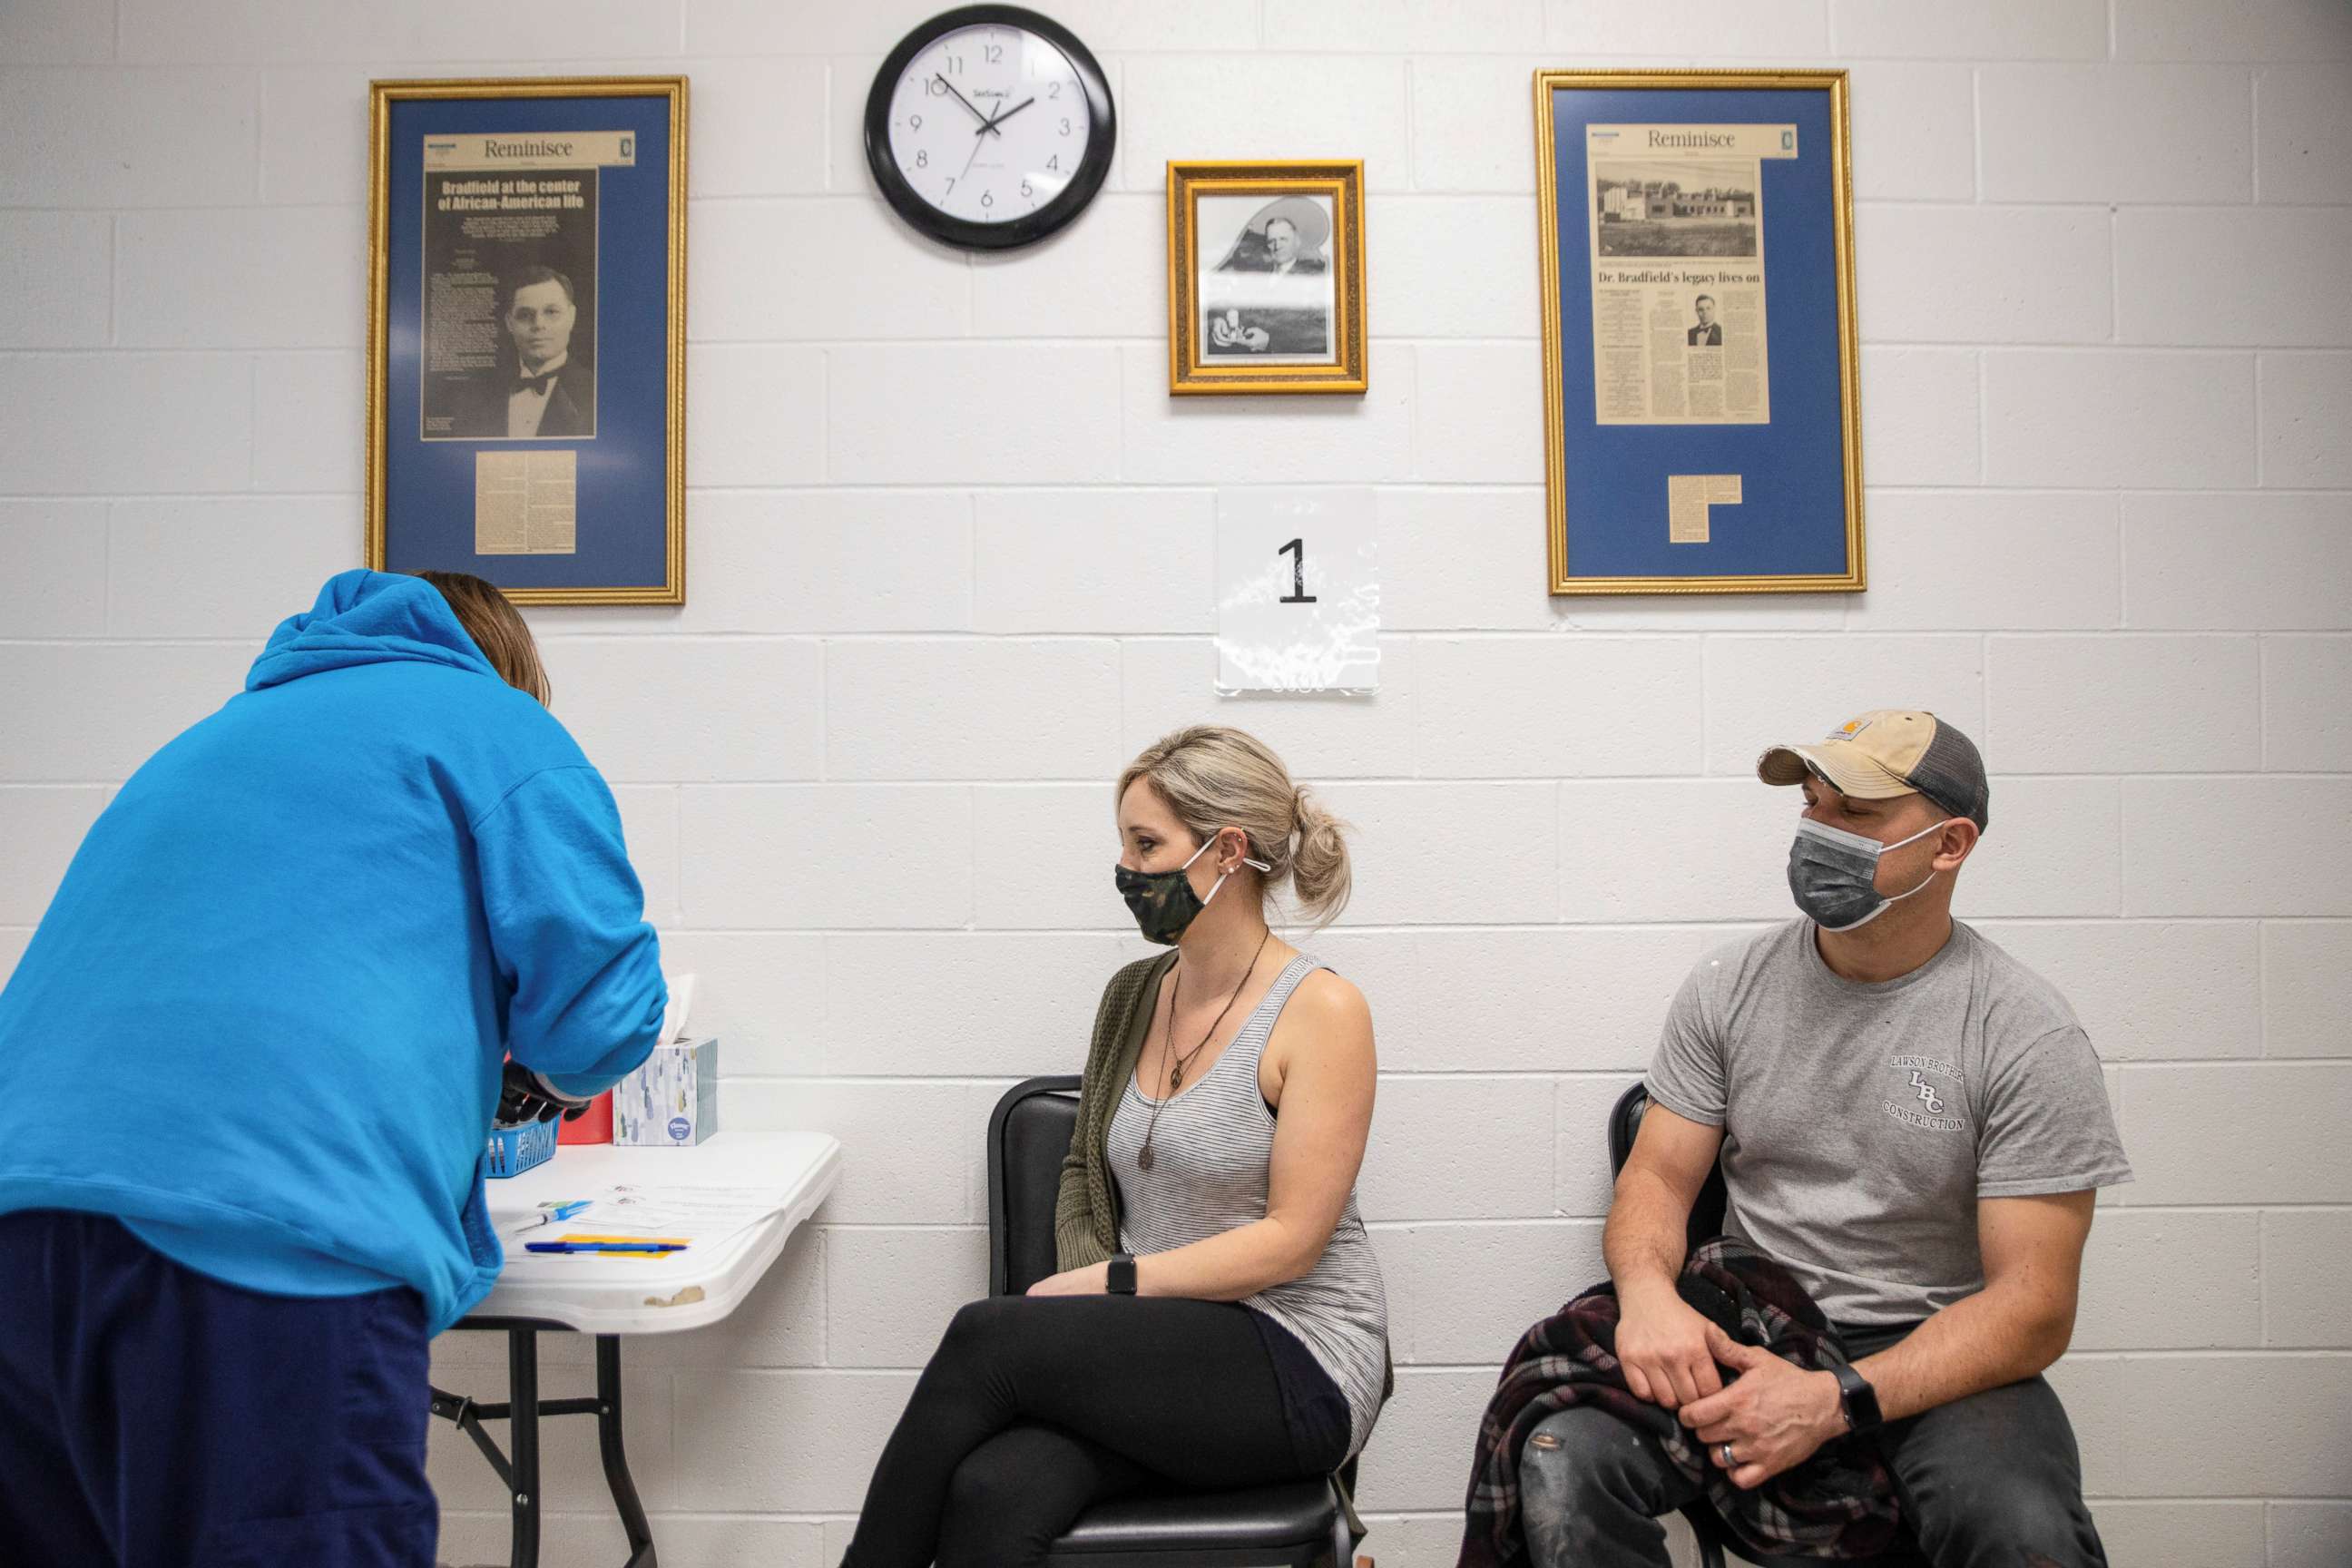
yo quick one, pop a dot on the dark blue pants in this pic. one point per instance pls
(152, 1418)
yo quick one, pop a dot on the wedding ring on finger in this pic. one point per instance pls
(1724, 1449)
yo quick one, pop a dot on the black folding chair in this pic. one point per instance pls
(1300, 1524)
(1706, 1222)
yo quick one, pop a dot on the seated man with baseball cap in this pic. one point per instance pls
(1913, 1124)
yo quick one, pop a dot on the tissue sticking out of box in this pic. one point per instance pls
(681, 1004)
(672, 1101)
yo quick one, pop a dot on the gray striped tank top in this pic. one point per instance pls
(1210, 1155)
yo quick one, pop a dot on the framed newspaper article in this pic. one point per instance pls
(1265, 278)
(1702, 419)
(526, 398)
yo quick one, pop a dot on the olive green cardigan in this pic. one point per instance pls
(1085, 1211)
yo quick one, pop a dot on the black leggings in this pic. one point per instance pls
(1034, 1406)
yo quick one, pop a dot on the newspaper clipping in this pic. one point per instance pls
(1678, 329)
(509, 329)
(527, 502)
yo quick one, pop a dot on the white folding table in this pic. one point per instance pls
(611, 1297)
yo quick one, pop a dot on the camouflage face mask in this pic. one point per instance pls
(1163, 902)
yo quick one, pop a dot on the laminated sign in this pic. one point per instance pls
(1298, 591)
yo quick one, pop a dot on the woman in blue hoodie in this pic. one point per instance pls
(246, 1065)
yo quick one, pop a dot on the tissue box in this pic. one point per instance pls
(514, 1150)
(672, 1101)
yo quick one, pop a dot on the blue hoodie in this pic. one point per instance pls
(263, 1019)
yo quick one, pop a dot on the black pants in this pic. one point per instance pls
(1034, 1406)
(1992, 1480)
(152, 1418)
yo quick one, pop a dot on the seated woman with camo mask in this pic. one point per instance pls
(1219, 1320)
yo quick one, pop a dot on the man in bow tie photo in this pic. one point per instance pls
(548, 393)
(1708, 333)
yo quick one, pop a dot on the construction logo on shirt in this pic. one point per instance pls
(1925, 1091)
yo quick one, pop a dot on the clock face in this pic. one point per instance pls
(991, 127)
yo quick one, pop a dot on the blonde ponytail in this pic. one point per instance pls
(1318, 867)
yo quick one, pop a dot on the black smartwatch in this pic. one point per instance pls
(1858, 1398)
(1122, 1280)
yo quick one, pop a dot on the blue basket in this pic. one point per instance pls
(514, 1150)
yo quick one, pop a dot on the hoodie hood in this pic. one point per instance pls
(367, 617)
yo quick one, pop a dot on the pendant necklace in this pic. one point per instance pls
(1176, 1071)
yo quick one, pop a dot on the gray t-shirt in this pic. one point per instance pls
(1862, 1122)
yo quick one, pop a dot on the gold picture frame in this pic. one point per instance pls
(1250, 319)
(617, 436)
(1837, 171)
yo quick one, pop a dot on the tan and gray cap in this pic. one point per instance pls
(1888, 752)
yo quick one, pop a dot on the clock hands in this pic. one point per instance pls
(986, 123)
(987, 126)
(1001, 115)
(991, 123)
(977, 144)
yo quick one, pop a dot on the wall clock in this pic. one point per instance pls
(989, 127)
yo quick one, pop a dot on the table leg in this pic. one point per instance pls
(522, 1437)
(617, 1458)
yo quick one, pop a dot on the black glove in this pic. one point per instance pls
(524, 1097)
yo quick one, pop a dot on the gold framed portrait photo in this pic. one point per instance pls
(1265, 278)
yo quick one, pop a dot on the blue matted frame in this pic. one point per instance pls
(1799, 527)
(631, 493)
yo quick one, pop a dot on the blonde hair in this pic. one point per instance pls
(1215, 777)
(497, 627)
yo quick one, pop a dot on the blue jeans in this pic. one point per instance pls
(155, 1417)
(1992, 1480)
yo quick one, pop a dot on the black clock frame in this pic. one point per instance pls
(1102, 134)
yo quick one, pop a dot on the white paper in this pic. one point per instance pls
(1298, 591)
(700, 1214)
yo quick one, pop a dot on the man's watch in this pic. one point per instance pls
(1122, 1280)
(1859, 1399)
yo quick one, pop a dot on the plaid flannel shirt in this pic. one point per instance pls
(1838, 1503)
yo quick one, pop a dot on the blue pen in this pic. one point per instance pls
(602, 1247)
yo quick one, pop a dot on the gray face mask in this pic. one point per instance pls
(1834, 875)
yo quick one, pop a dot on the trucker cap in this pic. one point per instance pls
(1889, 751)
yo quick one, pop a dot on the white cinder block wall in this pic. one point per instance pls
(2106, 375)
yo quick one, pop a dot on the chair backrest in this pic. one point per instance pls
(1707, 1210)
(1028, 1135)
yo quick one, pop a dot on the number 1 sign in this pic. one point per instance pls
(1298, 591)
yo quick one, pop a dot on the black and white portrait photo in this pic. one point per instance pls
(1674, 206)
(510, 336)
(1709, 332)
(1265, 283)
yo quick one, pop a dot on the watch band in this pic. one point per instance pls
(1859, 1399)
(1122, 1276)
